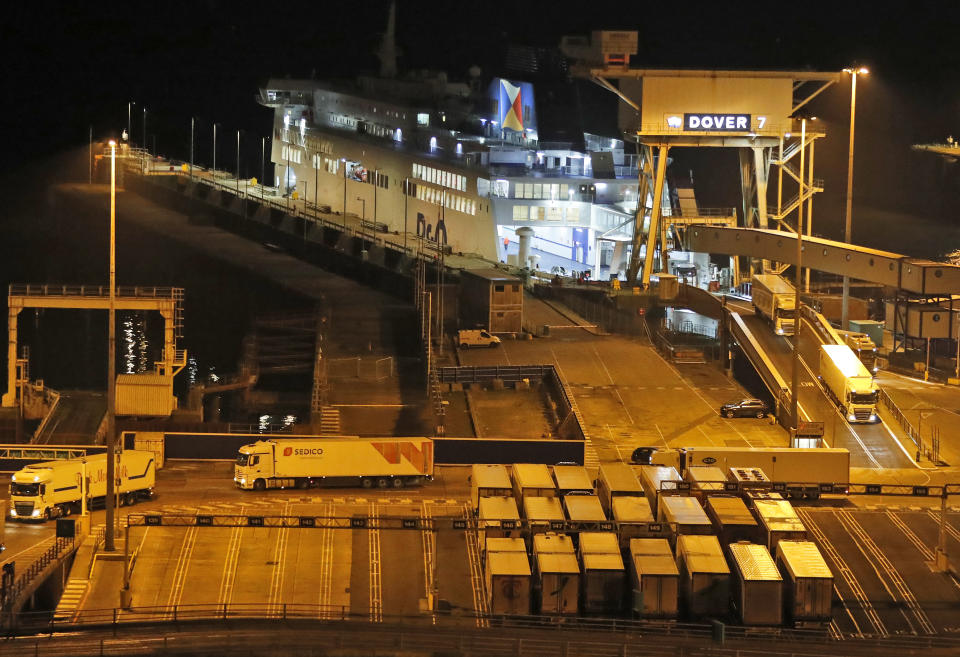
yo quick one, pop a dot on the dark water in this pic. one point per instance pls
(46, 242)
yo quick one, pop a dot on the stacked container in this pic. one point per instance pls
(704, 576)
(684, 515)
(655, 577)
(633, 517)
(603, 581)
(570, 478)
(616, 480)
(705, 480)
(494, 512)
(507, 576)
(488, 481)
(532, 479)
(540, 512)
(758, 587)
(779, 522)
(809, 583)
(583, 508)
(732, 520)
(558, 574)
(651, 476)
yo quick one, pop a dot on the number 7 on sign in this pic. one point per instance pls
(761, 121)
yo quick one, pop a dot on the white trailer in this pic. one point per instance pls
(757, 585)
(774, 298)
(802, 469)
(340, 461)
(55, 488)
(861, 345)
(616, 480)
(848, 382)
(489, 480)
(809, 582)
(655, 578)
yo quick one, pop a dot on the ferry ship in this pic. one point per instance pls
(460, 163)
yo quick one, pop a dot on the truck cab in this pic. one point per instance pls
(477, 338)
(28, 495)
(253, 467)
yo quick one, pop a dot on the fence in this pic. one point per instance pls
(898, 415)
(26, 578)
(441, 633)
(365, 369)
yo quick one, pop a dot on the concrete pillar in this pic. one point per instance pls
(654, 230)
(525, 235)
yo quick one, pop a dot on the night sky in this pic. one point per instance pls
(68, 66)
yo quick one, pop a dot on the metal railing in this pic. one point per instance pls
(49, 556)
(480, 373)
(44, 290)
(898, 415)
(505, 635)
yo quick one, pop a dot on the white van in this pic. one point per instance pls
(477, 338)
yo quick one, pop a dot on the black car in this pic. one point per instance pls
(745, 408)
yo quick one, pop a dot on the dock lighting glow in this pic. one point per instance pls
(863, 70)
(112, 143)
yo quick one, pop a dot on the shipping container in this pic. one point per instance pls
(705, 480)
(572, 478)
(541, 511)
(757, 585)
(651, 477)
(704, 576)
(602, 583)
(583, 508)
(145, 395)
(489, 480)
(615, 480)
(655, 578)
(684, 515)
(148, 441)
(633, 518)
(598, 543)
(557, 573)
(808, 582)
(779, 522)
(532, 479)
(732, 520)
(508, 583)
(494, 513)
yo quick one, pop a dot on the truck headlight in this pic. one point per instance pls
(35, 513)
(13, 513)
(852, 417)
(873, 417)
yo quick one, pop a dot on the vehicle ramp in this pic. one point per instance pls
(76, 419)
(762, 363)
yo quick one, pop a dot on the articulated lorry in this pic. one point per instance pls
(864, 348)
(802, 470)
(773, 298)
(53, 488)
(340, 461)
(848, 383)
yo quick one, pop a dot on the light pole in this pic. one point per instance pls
(343, 161)
(143, 146)
(213, 169)
(854, 72)
(191, 146)
(406, 195)
(130, 105)
(263, 163)
(238, 160)
(798, 280)
(363, 217)
(108, 536)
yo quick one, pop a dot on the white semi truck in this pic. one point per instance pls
(773, 297)
(335, 461)
(863, 347)
(848, 382)
(54, 488)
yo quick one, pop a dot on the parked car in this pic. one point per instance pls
(745, 408)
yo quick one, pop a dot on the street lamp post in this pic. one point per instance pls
(213, 169)
(263, 163)
(854, 72)
(406, 195)
(143, 146)
(111, 359)
(129, 126)
(363, 217)
(343, 162)
(192, 121)
(238, 161)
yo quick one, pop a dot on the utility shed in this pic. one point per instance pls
(633, 516)
(572, 478)
(655, 578)
(758, 587)
(558, 574)
(491, 299)
(532, 479)
(779, 522)
(685, 515)
(732, 519)
(808, 582)
(583, 508)
(704, 576)
(145, 395)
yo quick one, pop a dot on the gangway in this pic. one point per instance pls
(762, 363)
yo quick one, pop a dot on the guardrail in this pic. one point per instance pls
(20, 584)
(898, 415)
(31, 290)
(480, 373)
(500, 635)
